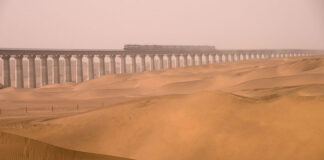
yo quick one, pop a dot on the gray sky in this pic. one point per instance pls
(110, 24)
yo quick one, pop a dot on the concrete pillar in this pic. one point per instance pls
(200, 59)
(102, 65)
(44, 70)
(152, 62)
(133, 59)
(169, 56)
(143, 64)
(213, 59)
(207, 58)
(56, 69)
(79, 68)
(216, 58)
(193, 59)
(68, 76)
(19, 71)
(90, 67)
(112, 64)
(177, 60)
(223, 57)
(32, 71)
(122, 63)
(161, 65)
(259, 55)
(232, 57)
(185, 60)
(6, 71)
(226, 57)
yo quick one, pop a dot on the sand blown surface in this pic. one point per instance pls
(258, 109)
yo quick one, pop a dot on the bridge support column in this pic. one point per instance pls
(90, 67)
(79, 68)
(161, 65)
(216, 58)
(32, 71)
(44, 70)
(169, 61)
(143, 64)
(112, 64)
(207, 58)
(226, 57)
(19, 71)
(200, 59)
(68, 76)
(122, 63)
(102, 65)
(6, 71)
(185, 60)
(57, 76)
(177, 57)
(212, 58)
(223, 57)
(152, 62)
(133, 59)
(232, 57)
(193, 59)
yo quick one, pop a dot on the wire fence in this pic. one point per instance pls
(49, 109)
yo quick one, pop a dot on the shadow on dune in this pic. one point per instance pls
(14, 147)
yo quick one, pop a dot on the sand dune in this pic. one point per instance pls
(15, 147)
(258, 109)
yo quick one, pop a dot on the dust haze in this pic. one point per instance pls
(241, 100)
(227, 24)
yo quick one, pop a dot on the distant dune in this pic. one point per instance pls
(258, 109)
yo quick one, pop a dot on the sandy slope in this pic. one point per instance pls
(15, 147)
(259, 109)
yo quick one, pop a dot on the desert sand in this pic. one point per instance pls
(257, 109)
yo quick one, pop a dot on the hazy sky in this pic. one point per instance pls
(110, 24)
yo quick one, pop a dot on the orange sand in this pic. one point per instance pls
(258, 109)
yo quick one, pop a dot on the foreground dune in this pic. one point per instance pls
(259, 109)
(19, 148)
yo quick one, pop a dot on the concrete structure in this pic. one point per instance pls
(181, 55)
(32, 71)
(79, 68)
